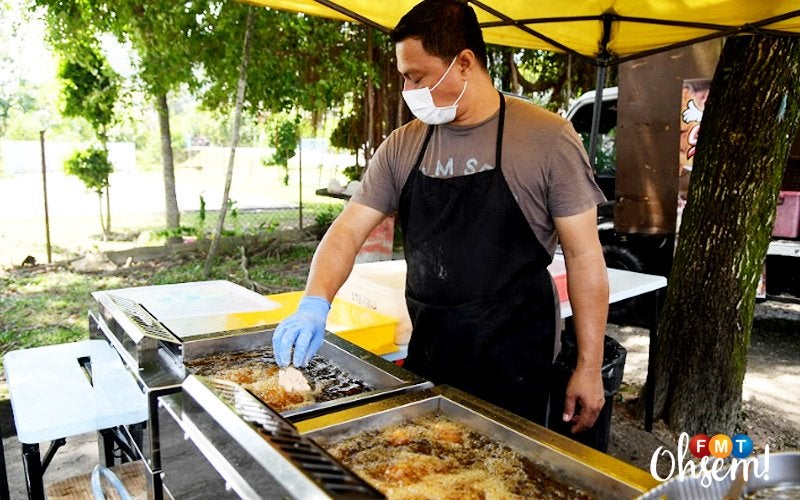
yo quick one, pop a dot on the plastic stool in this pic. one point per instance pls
(63, 390)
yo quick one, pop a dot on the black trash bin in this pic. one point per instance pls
(613, 366)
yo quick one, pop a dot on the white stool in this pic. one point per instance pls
(63, 390)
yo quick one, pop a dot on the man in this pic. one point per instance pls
(483, 187)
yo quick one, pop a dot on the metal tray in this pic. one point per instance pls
(386, 379)
(571, 462)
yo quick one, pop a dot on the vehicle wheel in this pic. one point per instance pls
(631, 311)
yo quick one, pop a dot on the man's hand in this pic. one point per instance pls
(303, 330)
(584, 390)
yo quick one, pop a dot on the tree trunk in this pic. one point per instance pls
(100, 211)
(704, 332)
(370, 102)
(108, 210)
(173, 214)
(103, 136)
(237, 119)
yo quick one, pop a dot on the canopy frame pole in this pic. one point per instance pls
(602, 66)
(522, 27)
(352, 14)
(596, 110)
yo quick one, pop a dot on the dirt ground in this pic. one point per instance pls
(771, 407)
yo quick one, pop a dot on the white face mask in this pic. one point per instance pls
(420, 102)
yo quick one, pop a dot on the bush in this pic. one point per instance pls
(324, 217)
(354, 172)
(91, 167)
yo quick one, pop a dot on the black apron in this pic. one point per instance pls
(478, 291)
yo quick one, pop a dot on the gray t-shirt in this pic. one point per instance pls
(543, 162)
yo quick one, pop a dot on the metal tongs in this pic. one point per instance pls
(292, 380)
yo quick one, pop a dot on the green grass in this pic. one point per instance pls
(46, 308)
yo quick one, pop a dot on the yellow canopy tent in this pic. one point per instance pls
(608, 31)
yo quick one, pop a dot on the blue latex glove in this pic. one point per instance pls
(304, 330)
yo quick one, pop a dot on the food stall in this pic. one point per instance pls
(216, 422)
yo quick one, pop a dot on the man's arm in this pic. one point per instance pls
(333, 259)
(298, 337)
(587, 281)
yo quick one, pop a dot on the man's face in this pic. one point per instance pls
(421, 69)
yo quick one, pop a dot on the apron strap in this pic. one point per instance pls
(498, 153)
(428, 135)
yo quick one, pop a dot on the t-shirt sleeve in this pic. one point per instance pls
(378, 189)
(572, 189)
(389, 168)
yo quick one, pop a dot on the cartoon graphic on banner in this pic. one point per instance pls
(693, 102)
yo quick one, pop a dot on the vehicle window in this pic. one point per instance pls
(605, 159)
(606, 156)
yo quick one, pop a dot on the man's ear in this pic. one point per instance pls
(466, 62)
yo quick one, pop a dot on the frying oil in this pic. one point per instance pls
(436, 457)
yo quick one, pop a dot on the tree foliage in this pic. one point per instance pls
(349, 132)
(164, 37)
(90, 87)
(298, 62)
(15, 91)
(284, 137)
(162, 34)
(89, 90)
(555, 77)
(92, 167)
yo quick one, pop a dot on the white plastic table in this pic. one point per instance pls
(67, 389)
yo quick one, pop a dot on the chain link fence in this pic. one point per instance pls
(252, 221)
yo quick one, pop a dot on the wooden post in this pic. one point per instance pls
(44, 189)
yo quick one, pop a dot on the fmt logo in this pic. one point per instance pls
(721, 446)
(716, 457)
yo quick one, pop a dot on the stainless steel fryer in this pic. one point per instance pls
(155, 352)
(600, 475)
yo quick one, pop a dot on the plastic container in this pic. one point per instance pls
(363, 327)
(379, 243)
(380, 286)
(787, 219)
(614, 355)
(558, 270)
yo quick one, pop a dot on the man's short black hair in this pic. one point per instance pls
(445, 28)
